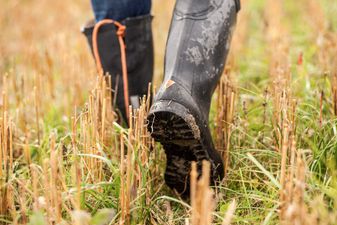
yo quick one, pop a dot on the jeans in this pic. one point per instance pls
(120, 9)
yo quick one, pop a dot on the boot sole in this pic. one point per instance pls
(176, 129)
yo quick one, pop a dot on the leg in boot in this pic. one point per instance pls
(196, 52)
(139, 48)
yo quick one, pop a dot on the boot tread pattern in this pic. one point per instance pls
(181, 148)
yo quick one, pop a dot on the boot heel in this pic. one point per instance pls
(171, 124)
(170, 120)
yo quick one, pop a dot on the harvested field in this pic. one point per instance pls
(65, 160)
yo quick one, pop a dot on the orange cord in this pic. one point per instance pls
(120, 33)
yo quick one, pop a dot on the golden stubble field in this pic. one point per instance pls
(65, 160)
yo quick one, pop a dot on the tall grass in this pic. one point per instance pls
(66, 160)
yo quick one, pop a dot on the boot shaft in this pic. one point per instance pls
(198, 45)
(139, 56)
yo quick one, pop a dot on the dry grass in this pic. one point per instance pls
(65, 160)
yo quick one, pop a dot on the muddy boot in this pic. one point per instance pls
(196, 52)
(139, 57)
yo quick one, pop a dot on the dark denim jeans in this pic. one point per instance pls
(120, 9)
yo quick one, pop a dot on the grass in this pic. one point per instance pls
(64, 159)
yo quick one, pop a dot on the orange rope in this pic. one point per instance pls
(120, 33)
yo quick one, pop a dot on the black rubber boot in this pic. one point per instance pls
(139, 55)
(196, 52)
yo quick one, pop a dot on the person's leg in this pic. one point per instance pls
(196, 53)
(120, 9)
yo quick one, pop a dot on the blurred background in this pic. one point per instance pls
(281, 70)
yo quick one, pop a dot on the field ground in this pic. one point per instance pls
(63, 159)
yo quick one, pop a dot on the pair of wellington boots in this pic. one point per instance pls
(196, 52)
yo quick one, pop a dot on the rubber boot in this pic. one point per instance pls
(196, 52)
(139, 56)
